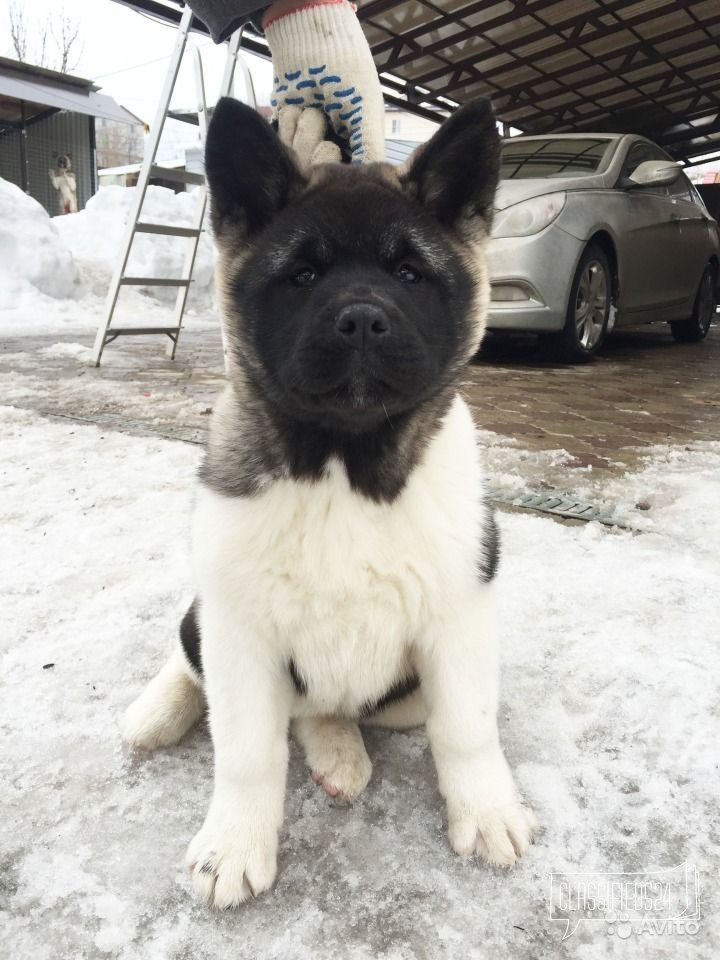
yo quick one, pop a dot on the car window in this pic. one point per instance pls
(681, 189)
(696, 198)
(530, 159)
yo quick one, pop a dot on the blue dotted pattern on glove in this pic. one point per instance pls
(340, 103)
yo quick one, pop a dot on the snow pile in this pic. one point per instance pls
(95, 236)
(33, 257)
(55, 273)
(608, 716)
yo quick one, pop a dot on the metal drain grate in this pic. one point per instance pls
(559, 505)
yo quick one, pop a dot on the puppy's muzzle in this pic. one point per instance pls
(361, 326)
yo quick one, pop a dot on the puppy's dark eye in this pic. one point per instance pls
(305, 277)
(406, 273)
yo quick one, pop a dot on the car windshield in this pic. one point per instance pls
(528, 159)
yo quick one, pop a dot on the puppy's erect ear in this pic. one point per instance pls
(455, 174)
(250, 173)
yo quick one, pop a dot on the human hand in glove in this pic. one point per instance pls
(324, 74)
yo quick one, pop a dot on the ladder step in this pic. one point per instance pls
(184, 117)
(138, 331)
(167, 230)
(175, 175)
(155, 281)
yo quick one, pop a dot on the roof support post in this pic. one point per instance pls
(24, 166)
(93, 157)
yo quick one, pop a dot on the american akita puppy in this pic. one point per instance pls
(343, 544)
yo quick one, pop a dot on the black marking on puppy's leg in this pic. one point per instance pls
(489, 557)
(190, 637)
(297, 679)
(398, 691)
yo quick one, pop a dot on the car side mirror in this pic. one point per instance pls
(653, 173)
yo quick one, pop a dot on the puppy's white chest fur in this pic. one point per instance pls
(343, 585)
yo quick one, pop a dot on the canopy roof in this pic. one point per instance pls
(632, 66)
(27, 91)
(640, 66)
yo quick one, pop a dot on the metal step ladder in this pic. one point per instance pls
(150, 169)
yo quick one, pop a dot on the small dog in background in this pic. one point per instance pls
(343, 542)
(63, 180)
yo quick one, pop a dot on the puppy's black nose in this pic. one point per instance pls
(362, 324)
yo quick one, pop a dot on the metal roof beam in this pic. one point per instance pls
(609, 114)
(546, 32)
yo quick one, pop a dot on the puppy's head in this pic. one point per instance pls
(351, 293)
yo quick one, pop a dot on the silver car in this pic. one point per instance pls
(596, 230)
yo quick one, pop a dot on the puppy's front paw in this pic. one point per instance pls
(499, 832)
(232, 859)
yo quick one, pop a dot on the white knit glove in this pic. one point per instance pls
(305, 130)
(322, 60)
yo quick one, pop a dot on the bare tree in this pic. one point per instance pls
(42, 56)
(18, 30)
(65, 33)
(62, 29)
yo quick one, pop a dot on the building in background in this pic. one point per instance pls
(118, 143)
(704, 176)
(402, 125)
(47, 133)
(404, 132)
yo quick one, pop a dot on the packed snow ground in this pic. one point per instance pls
(609, 714)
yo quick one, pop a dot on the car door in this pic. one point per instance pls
(649, 241)
(694, 245)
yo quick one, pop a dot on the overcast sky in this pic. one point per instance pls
(127, 54)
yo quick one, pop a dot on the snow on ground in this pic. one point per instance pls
(609, 713)
(59, 378)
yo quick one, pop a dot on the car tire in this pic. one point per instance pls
(588, 311)
(696, 327)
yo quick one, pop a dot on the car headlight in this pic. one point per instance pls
(529, 216)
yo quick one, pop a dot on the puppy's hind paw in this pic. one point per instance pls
(344, 780)
(336, 755)
(166, 709)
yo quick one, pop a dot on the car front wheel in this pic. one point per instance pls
(588, 309)
(696, 327)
